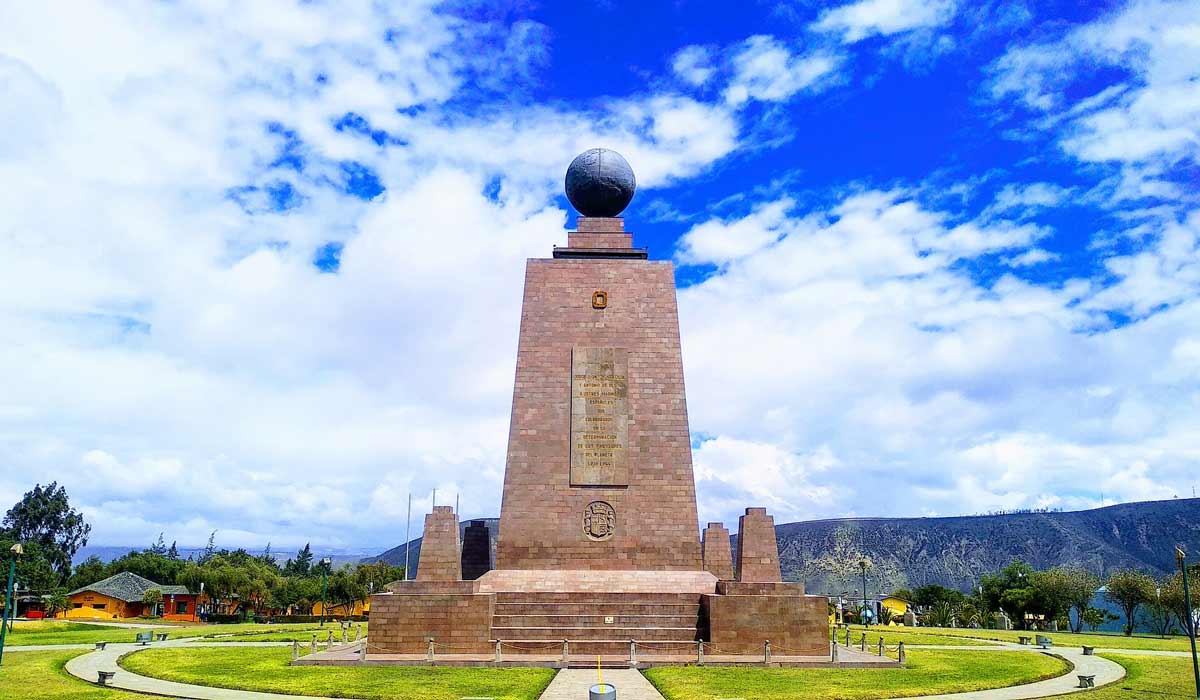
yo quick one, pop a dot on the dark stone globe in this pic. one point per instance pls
(600, 183)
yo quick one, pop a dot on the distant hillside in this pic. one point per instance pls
(955, 551)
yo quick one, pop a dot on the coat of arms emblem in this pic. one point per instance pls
(599, 520)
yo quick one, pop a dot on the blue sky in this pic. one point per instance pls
(263, 261)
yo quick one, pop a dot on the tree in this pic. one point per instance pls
(1079, 588)
(57, 601)
(301, 565)
(1054, 592)
(1159, 616)
(932, 594)
(173, 552)
(151, 599)
(1129, 589)
(45, 516)
(1173, 598)
(210, 548)
(159, 547)
(1010, 590)
(87, 572)
(1094, 617)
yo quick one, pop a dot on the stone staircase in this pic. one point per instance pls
(597, 623)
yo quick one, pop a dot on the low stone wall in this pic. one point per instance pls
(459, 623)
(739, 624)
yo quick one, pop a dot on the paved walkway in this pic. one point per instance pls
(1104, 670)
(573, 684)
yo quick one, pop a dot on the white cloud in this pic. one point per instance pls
(866, 18)
(860, 332)
(1149, 116)
(766, 69)
(693, 64)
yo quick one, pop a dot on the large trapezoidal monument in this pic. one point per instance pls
(599, 539)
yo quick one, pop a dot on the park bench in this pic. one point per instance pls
(100, 646)
(1044, 642)
(161, 636)
(1025, 640)
(1087, 681)
(105, 676)
(144, 638)
(1089, 651)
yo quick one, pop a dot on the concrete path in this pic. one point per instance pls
(87, 666)
(47, 647)
(573, 684)
(1104, 670)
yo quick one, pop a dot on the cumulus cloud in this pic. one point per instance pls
(766, 69)
(858, 330)
(693, 64)
(866, 18)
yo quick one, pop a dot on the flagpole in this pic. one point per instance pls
(408, 536)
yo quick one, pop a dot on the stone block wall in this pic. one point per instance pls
(796, 625)
(757, 550)
(542, 515)
(718, 557)
(439, 547)
(458, 623)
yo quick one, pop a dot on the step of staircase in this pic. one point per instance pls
(590, 619)
(591, 633)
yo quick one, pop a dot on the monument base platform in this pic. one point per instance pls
(351, 655)
(539, 612)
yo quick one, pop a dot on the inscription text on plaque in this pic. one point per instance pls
(599, 417)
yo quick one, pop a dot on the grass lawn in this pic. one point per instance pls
(60, 632)
(266, 669)
(1157, 677)
(908, 635)
(1101, 641)
(928, 672)
(39, 675)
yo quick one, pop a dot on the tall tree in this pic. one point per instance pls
(1129, 589)
(210, 548)
(159, 547)
(1079, 589)
(301, 565)
(87, 572)
(45, 516)
(173, 552)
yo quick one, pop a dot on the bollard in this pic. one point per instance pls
(313, 649)
(566, 651)
(847, 637)
(429, 654)
(766, 652)
(497, 651)
(357, 631)
(700, 653)
(602, 691)
(632, 653)
(362, 652)
(343, 635)
(862, 642)
(295, 649)
(900, 655)
(881, 646)
(329, 640)
(833, 652)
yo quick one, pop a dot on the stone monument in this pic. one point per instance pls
(599, 538)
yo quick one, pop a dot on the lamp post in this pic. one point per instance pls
(325, 563)
(863, 563)
(10, 604)
(1180, 557)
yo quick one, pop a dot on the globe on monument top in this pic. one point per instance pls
(600, 183)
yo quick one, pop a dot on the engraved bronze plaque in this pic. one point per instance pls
(599, 417)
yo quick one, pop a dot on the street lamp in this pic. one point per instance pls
(325, 563)
(863, 563)
(1190, 623)
(9, 603)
